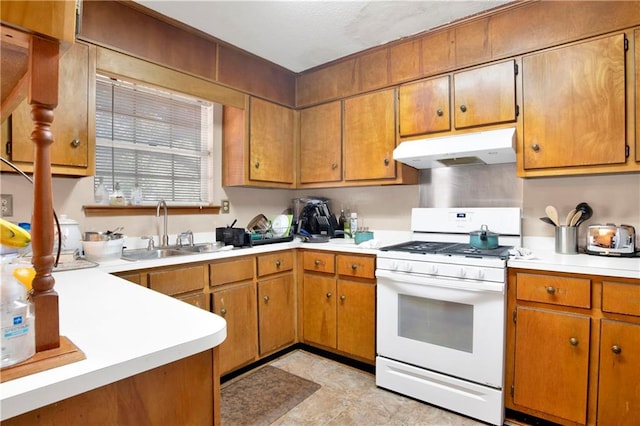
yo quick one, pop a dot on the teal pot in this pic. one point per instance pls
(483, 239)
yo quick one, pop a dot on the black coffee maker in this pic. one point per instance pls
(314, 217)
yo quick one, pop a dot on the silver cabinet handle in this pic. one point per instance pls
(551, 290)
(256, 164)
(343, 297)
(440, 112)
(278, 263)
(334, 166)
(616, 349)
(535, 147)
(75, 143)
(354, 266)
(266, 298)
(223, 311)
(573, 341)
(317, 262)
(463, 108)
(329, 294)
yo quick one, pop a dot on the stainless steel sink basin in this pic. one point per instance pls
(144, 254)
(202, 247)
(163, 252)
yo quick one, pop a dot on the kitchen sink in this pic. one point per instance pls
(157, 253)
(163, 252)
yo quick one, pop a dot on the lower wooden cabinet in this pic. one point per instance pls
(573, 347)
(338, 303)
(237, 305)
(276, 313)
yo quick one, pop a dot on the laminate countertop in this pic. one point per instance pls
(123, 329)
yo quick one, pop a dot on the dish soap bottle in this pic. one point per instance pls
(353, 225)
(136, 195)
(17, 319)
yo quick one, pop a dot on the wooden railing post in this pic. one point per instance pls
(43, 98)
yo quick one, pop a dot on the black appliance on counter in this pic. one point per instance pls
(313, 216)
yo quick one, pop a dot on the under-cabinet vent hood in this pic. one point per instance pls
(490, 147)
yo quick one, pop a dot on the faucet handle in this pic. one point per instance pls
(150, 245)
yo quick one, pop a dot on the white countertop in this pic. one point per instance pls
(545, 258)
(123, 329)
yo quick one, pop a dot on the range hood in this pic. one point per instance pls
(490, 147)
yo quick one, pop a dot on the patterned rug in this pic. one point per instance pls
(261, 397)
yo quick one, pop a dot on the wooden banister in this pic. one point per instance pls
(43, 98)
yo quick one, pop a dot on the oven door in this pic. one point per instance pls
(452, 326)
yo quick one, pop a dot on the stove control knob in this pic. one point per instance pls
(480, 274)
(407, 267)
(463, 272)
(434, 269)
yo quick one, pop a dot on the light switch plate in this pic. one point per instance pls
(7, 205)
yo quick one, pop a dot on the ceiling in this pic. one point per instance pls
(299, 35)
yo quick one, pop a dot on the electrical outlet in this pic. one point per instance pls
(7, 205)
(225, 206)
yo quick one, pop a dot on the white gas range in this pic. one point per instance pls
(441, 311)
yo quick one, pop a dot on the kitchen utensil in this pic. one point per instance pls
(552, 214)
(483, 239)
(567, 221)
(101, 251)
(259, 224)
(575, 218)
(587, 212)
(547, 220)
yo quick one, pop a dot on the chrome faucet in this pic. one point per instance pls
(165, 236)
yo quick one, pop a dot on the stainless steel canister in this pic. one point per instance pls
(567, 239)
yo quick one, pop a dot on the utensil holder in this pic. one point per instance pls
(567, 239)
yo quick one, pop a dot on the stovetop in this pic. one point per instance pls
(450, 249)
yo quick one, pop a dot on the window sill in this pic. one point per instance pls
(100, 210)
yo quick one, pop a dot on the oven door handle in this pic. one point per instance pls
(443, 282)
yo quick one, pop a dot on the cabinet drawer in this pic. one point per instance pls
(319, 262)
(356, 266)
(231, 271)
(276, 262)
(621, 298)
(555, 290)
(198, 300)
(178, 281)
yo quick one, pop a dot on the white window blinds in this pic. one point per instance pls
(162, 141)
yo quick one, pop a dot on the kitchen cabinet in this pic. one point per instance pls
(479, 97)
(338, 303)
(636, 85)
(574, 107)
(276, 301)
(184, 283)
(73, 150)
(568, 354)
(370, 136)
(234, 298)
(321, 143)
(258, 145)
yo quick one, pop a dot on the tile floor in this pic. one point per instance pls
(350, 397)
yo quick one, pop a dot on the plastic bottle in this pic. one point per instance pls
(353, 224)
(136, 195)
(347, 228)
(17, 319)
(101, 195)
(117, 198)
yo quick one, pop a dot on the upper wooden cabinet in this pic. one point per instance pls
(258, 145)
(480, 96)
(55, 19)
(370, 136)
(424, 106)
(485, 95)
(636, 85)
(73, 127)
(321, 143)
(574, 106)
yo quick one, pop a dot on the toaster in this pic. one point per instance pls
(611, 240)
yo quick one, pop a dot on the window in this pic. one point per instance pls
(160, 140)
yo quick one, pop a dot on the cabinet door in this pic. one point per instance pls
(319, 310)
(485, 95)
(276, 313)
(619, 386)
(356, 319)
(270, 142)
(370, 136)
(574, 105)
(237, 305)
(552, 363)
(321, 143)
(71, 117)
(424, 106)
(637, 62)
